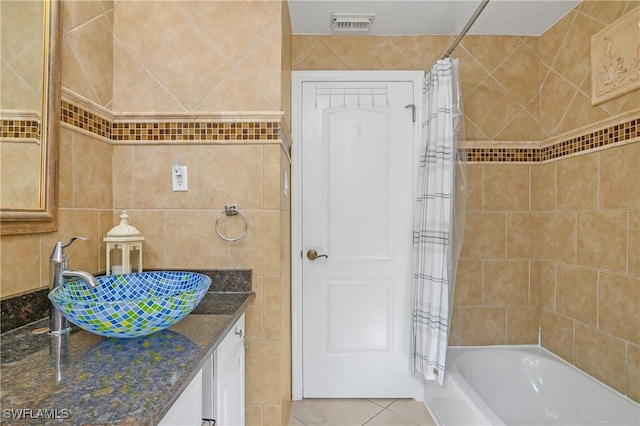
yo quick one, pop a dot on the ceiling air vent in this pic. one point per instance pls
(351, 23)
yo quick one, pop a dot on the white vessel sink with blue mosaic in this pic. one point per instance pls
(131, 305)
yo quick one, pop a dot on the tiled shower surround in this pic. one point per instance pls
(552, 252)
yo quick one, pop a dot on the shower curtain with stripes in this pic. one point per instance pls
(436, 232)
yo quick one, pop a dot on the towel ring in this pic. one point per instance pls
(231, 210)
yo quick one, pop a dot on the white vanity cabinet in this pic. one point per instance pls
(223, 380)
(217, 391)
(187, 410)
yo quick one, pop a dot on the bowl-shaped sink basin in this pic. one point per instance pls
(131, 305)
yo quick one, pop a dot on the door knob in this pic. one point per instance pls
(313, 255)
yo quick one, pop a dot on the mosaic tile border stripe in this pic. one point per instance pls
(256, 130)
(615, 133)
(198, 131)
(20, 129)
(85, 120)
(206, 130)
(490, 155)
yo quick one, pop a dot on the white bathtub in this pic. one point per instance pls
(522, 385)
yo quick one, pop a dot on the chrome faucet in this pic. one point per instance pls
(58, 269)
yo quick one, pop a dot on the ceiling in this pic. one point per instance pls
(431, 17)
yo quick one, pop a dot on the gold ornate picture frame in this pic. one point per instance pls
(615, 58)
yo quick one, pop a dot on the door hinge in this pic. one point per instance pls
(413, 111)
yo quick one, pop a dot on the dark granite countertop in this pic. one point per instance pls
(85, 379)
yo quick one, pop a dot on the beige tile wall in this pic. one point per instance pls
(591, 288)
(22, 64)
(172, 56)
(514, 88)
(565, 69)
(243, 72)
(286, 67)
(556, 246)
(499, 75)
(21, 73)
(85, 174)
(116, 57)
(87, 51)
(589, 280)
(179, 230)
(496, 301)
(20, 158)
(85, 209)
(285, 232)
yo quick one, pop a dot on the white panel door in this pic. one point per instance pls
(357, 171)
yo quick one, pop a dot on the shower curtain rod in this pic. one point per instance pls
(465, 29)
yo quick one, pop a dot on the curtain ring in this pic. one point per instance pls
(231, 210)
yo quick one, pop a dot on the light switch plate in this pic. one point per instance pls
(285, 183)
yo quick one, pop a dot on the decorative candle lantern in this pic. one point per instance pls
(124, 248)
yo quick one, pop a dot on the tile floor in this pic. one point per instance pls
(358, 412)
